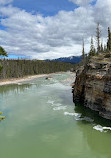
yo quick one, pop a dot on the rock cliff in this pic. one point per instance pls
(93, 85)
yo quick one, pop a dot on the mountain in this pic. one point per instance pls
(71, 59)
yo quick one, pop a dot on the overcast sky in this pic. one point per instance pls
(44, 29)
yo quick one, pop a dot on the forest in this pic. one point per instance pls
(20, 68)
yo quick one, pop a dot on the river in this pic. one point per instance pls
(43, 122)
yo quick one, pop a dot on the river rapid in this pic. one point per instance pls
(43, 122)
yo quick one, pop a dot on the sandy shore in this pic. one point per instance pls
(26, 78)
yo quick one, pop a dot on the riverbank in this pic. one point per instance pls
(26, 78)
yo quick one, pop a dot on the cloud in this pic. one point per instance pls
(56, 36)
(41, 37)
(4, 2)
(8, 11)
(81, 2)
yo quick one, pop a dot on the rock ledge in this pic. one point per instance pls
(93, 86)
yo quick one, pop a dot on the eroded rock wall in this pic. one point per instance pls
(93, 87)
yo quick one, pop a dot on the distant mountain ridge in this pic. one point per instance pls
(71, 59)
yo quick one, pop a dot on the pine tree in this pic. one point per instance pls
(3, 52)
(101, 48)
(98, 35)
(92, 49)
(83, 52)
(109, 40)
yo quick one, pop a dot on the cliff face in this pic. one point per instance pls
(93, 86)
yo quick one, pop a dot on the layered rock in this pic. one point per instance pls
(93, 86)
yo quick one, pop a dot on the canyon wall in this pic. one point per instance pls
(92, 86)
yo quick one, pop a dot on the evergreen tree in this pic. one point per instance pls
(92, 49)
(101, 48)
(3, 52)
(109, 40)
(83, 52)
(98, 35)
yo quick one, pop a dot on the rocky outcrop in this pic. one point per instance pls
(93, 86)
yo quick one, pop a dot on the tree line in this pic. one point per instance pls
(10, 68)
(100, 48)
(20, 68)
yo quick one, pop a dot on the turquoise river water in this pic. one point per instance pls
(43, 122)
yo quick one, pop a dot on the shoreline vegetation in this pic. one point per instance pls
(25, 78)
(22, 67)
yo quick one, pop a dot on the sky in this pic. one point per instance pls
(48, 29)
